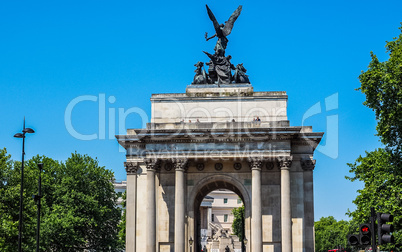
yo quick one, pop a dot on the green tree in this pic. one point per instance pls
(10, 173)
(78, 205)
(382, 85)
(381, 170)
(237, 225)
(382, 190)
(122, 225)
(330, 233)
(8, 199)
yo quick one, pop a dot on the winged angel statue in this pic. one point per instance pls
(219, 66)
(222, 30)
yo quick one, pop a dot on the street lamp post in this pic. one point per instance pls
(22, 135)
(191, 243)
(37, 200)
(245, 243)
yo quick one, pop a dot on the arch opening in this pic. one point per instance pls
(203, 191)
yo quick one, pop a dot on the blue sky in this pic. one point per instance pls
(53, 52)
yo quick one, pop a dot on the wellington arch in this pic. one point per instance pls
(220, 136)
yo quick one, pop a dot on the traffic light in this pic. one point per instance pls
(365, 234)
(384, 229)
(354, 239)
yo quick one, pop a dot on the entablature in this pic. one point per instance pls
(141, 138)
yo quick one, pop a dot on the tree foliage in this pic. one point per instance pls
(381, 170)
(382, 189)
(78, 205)
(382, 85)
(122, 225)
(9, 200)
(238, 221)
(330, 233)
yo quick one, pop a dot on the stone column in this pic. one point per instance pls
(152, 166)
(131, 208)
(209, 220)
(256, 206)
(308, 167)
(179, 205)
(286, 211)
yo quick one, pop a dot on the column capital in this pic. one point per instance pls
(152, 164)
(308, 164)
(131, 167)
(180, 163)
(285, 162)
(255, 163)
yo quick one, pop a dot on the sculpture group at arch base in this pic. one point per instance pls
(208, 138)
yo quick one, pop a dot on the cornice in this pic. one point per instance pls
(222, 135)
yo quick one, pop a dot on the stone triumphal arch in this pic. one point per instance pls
(220, 136)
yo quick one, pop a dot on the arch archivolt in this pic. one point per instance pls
(213, 182)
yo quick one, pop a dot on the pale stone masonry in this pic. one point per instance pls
(226, 137)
